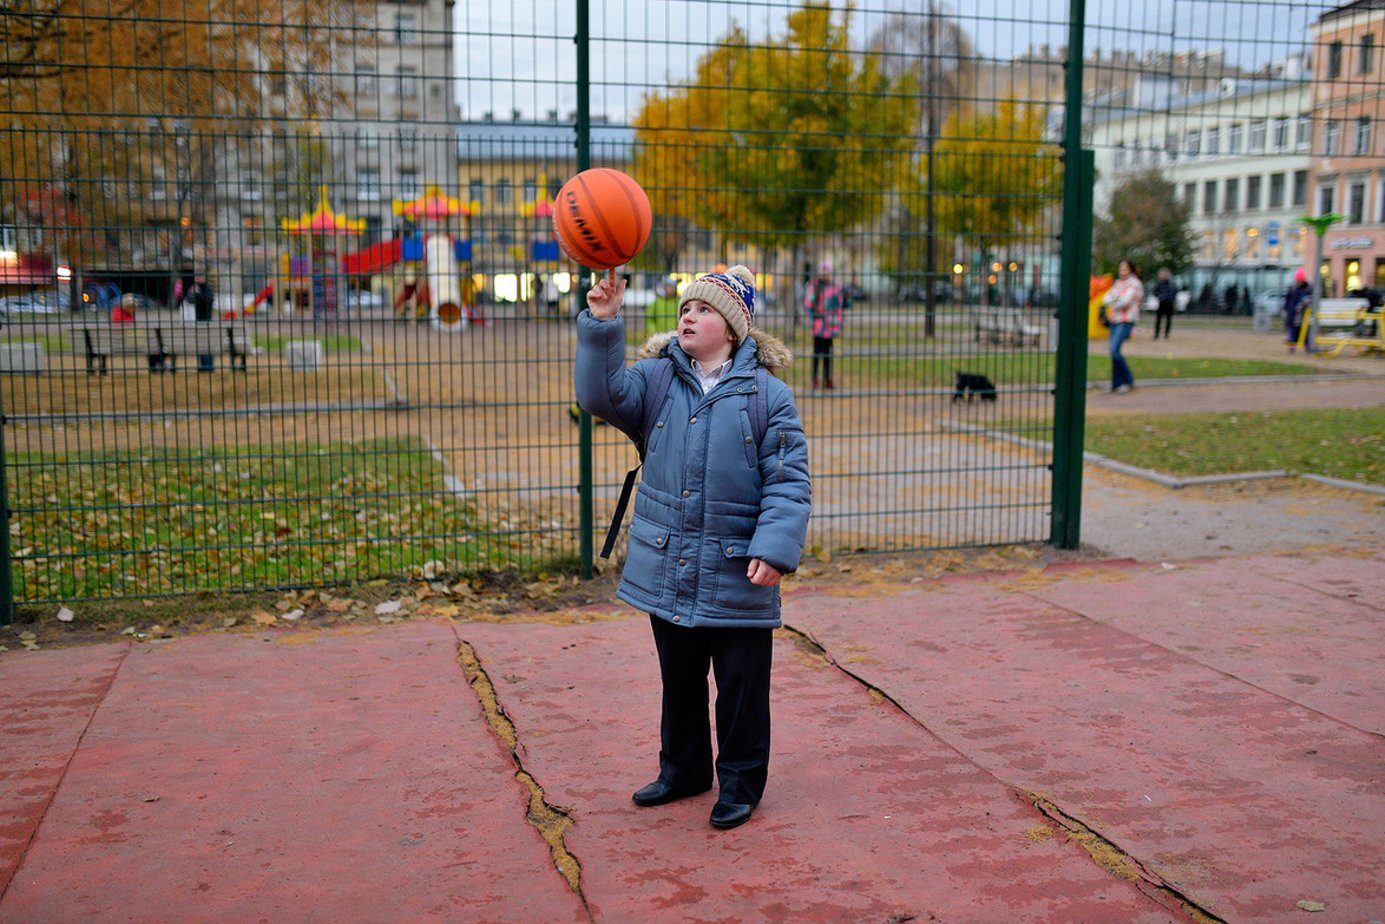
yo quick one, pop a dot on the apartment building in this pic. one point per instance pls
(1238, 154)
(1348, 168)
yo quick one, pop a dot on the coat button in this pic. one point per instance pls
(660, 424)
(687, 494)
(677, 618)
(682, 562)
(730, 550)
(693, 421)
(748, 441)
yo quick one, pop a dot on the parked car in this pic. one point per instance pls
(1270, 302)
(855, 293)
(942, 292)
(30, 303)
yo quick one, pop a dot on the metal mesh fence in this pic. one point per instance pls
(284, 306)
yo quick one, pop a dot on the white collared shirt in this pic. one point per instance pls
(708, 379)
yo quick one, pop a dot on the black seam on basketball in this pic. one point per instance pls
(599, 218)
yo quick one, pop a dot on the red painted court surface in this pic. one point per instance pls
(1211, 732)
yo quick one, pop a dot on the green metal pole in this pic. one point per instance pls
(587, 542)
(1070, 380)
(6, 578)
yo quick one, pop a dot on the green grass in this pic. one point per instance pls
(332, 343)
(52, 343)
(173, 521)
(1338, 443)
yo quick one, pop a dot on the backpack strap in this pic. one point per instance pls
(758, 405)
(654, 394)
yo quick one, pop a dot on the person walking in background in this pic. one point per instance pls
(1296, 303)
(718, 520)
(1123, 308)
(1166, 294)
(825, 301)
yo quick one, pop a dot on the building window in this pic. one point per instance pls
(1327, 198)
(1276, 190)
(1230, 244)
(476, 191)
(1300, 195)
(1366, 62)
(1252, 193)
(1233, 139)
(1303, 140)
(1194, 144)
(406, 83)
(1332, 137)
(366, 137)
(504, 192)
(368, 184)
(408, 138)
(1171, 148)
(1380, 206)
(1257, 136)
(408, 184)
(405, 29)
(1363, 136)
(1252, 248)
(1119, 157)
(365, 79)
(1209, 197)
(1232, 195)
(1356, 203)
(1190, 196)
(1334, 60)
(530, 190)
(1213, 142)
(1281, 134)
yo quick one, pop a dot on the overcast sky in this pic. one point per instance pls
(519, 54)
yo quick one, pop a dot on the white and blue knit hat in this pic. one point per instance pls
(731, 293)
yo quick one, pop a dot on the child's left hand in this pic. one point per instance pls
(762, 573)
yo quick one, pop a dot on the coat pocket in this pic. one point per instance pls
(733, 589)
(645, 559)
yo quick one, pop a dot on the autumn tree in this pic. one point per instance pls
(993, 176)
(1146, 223)
(779, 143)
(120, 108)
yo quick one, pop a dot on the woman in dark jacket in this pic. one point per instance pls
(720, 517)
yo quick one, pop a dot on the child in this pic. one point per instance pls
(718, 520)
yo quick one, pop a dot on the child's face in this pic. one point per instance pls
(702, 332)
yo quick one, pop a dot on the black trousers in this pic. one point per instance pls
(822, 355)
(740, 662)
(1164, 319)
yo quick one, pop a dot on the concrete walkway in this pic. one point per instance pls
(1099, 742)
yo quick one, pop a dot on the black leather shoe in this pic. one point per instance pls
(731, 814)
(661, 793)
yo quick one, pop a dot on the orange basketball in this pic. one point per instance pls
(602, 218)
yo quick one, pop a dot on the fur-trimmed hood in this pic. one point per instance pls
(770, 351)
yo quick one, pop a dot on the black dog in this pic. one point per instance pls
(972, 383)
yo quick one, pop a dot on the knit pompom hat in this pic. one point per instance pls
(731, 293)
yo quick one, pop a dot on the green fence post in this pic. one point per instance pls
(1070, 377)
(6, 579)
(584, 159)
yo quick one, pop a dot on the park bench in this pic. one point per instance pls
(1006, 325)
(183, 338)
(102, 341)
(165, 341)
(1344, 322)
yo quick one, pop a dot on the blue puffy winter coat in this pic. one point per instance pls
(709, 499)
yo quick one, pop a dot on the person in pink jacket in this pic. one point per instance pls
(1123, 308)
